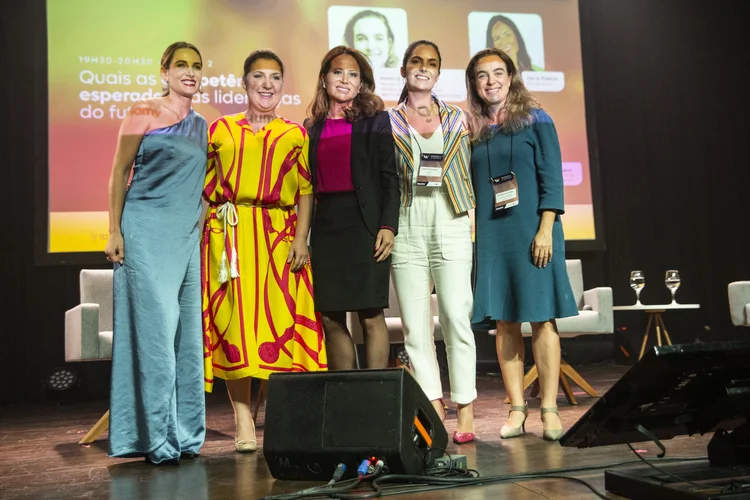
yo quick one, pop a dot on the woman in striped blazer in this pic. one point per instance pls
(434, 243)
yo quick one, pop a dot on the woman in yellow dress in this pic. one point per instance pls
(258, 310)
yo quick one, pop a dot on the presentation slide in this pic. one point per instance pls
(104, 56)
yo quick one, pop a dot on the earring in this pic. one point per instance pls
(164, 83)
(200, 88)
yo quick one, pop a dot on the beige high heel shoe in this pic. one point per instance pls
(510, 432)
(551, 435)
(246, 446)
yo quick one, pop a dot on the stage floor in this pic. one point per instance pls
(40, 457)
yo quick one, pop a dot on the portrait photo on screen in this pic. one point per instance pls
(95, 75)
(379, 33)
(519, 35)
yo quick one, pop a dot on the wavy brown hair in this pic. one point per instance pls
(516, 109)
(365, 104)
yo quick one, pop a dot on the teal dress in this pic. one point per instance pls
(157, 400)
(508, 286)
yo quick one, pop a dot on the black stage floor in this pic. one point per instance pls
(40, 457)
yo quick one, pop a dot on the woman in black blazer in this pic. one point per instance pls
(356, 184)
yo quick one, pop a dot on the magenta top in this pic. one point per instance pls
(334, 170)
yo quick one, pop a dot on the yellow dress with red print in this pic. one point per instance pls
(258, 316)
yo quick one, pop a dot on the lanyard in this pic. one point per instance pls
(489, 162)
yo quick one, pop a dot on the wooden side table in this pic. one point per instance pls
(654, 318)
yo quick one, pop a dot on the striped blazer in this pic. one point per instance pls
(456, 151)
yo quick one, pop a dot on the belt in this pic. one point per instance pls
(227, 213)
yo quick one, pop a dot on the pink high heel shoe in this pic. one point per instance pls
(464, 437)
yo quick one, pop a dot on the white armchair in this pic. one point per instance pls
(88, 326)
(595, 316)
(88, 329)
(739, 303)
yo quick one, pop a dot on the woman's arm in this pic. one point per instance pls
(541, 246)
(389, 181)
(298, 251)
(212, 172)
(465, 159)
(390, 186)
(548, 161)
(131, 133)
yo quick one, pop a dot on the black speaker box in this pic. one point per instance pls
(314, 421)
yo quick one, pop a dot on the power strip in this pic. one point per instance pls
(459, 462)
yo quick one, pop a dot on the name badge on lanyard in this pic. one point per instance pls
(506, 191)
(430, 171)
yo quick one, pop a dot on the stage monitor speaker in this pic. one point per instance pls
(315, 421)
(677, 390)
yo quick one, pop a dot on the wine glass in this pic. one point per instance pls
(637, 282)
(672, 280)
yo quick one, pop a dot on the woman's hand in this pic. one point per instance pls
(384, 244)
(297, 255)
(115, 249)
(541, 248)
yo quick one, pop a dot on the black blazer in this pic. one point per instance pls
(373, 169)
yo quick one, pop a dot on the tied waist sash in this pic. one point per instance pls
(227, 213)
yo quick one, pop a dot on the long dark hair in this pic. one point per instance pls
(166, 59)
(366, 103)
(524, 61)
(516, 108)
(407, 55)
(392, 60)
(260, 54)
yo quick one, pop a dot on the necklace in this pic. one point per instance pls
(427, 116)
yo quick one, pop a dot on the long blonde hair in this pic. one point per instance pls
(516, 108)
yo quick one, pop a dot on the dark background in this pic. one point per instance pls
(667, 90)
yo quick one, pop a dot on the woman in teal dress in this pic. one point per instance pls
(521, 271)
(157, 403)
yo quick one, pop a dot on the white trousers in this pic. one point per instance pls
(434, 246)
